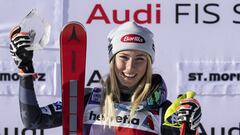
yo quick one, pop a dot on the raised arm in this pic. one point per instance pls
(33, 116)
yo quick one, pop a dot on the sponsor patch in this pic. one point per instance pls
(57, 106)
(46, 110)
(132, 38)
(142, 121)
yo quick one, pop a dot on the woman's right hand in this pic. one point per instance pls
(22, 57)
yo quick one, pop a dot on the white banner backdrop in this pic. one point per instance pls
(44, 84)
(209, 77)
(193, 31)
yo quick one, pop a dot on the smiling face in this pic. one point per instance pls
(130, 67)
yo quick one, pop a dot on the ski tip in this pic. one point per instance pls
(74, 23)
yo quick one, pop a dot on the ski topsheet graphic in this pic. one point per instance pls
(73, 42)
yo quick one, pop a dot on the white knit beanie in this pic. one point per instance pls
(130, 36)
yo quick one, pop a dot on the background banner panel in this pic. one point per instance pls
(44, 85)
(209, 77)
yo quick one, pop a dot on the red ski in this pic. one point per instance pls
(73, 42)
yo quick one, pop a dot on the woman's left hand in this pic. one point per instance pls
(189, 111)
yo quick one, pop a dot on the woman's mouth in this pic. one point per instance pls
(127, 75)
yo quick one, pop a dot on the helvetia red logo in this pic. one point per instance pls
(132, 38)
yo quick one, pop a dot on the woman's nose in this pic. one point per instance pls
(130, 65)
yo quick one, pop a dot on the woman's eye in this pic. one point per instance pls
(124, 57)
(140, 59)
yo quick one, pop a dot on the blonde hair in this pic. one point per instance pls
(111, 93)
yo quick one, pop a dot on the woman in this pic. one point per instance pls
(131, 100)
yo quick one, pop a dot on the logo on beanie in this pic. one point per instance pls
(132, 38)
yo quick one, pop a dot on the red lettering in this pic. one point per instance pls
(148, 13)
(115, 17)
(93, 16)
(140, 16)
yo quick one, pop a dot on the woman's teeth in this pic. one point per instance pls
(129, 75)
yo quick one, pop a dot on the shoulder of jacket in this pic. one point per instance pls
(158, 92)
